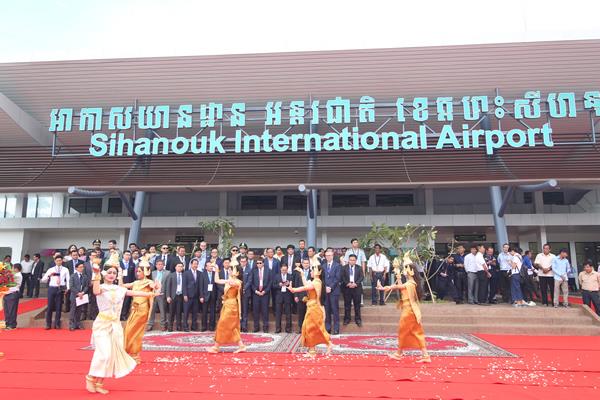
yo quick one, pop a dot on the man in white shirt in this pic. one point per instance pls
(361, 258)
(379, 268)
(11, 299)
(505, 262)
(57, 278)
(472, 267)
(27, 266)
(543, 264)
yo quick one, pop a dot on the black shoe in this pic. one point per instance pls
(266, 330)
(186, 329)
(359, 323)
(329, 331)
(255, 330)
(374, 304)
(71, 329)
(47, 327)
(277, 330)
(346, 323)
(336, 332)
(288, 330)
(170, 329)
(381, 303)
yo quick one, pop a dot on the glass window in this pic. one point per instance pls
(115, 205)
(44, 206)
(2, 206)
(85, 206)
(32, 202)
(349, 200)
(294, 202)
(554, 198)
(259, 202)
(527, 197)
(394, 200)
(11, 207)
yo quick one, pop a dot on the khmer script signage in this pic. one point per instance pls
(110, 127)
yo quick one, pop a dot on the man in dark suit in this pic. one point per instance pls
(290, 259)
(80, 286)
(180, 257)
(37, 271)
(283, 299)
(208, 297)
(298, 296)
(301, 252)
(165, 256)
(91, 311)
(261, 283)
(332, 272)
(72, 267)
(192, 282)
(128, 273)
(246, 292)
(352, 278)
(273, 265)
(174, 294)
(224, 275)
(161, 274)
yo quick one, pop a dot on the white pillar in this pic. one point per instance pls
(573, 254)
(429, 201)
(323, 239)
(324, 202)
(538, 202)
(222, 204)
(543, 237)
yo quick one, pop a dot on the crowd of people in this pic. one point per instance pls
(191, 297)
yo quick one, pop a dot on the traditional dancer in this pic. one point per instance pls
(110, 358)
(410, 329)
(140, 309)
(228, 327)
(313, 327)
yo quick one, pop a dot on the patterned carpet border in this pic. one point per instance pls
(450, 345)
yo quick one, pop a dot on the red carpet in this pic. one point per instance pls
(51, 364)
(27, 305)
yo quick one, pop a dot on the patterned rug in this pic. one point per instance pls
(452, 345)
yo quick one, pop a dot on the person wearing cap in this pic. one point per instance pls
(98, 248)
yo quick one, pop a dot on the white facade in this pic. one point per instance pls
(43, 222)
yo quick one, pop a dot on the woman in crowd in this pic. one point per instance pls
(410, 328)
(516, 263)
(110, 358)
(228, 327)
(313, 327)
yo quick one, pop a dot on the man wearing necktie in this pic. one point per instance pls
(261, 287)
(298, 296)
(191, 295)
(71, 266)
(223, 275)
(80, 286)
(352, 278)
(332, 293)
(208, 297)
(36, 275)
(246, 291)
(128, 272)
(161, 275)
(58, 280)
(273, 265)
(283, 299)
(174, 294)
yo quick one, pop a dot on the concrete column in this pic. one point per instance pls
(58, 205)
(311, 217)
(543, 237)
(323, 239)
(136, 225)
(573, 254)
(538, 202)
(324, 208)
(429, 202)
(222, 204)
(20, 206)
(499, 223)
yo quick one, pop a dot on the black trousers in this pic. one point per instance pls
(126, 308)
(283, 305)
(55, 298)
(175, 311)
(260, 308)
(527, 288)
(34, 288)
(547, 287)
(11, 306)
(461, 285)
(26, 285)
(505, 283)
(192, 306)
(209, 308)
(445, 287)
(301, 313)
(589, 298)
(482, 288)
(494, 284)
(352, 296)
(92, 310)
(75, 315)
(246, 305)
(67, 301)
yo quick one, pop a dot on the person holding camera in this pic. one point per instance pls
(57, 278)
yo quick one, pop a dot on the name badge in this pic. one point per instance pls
(210, 287)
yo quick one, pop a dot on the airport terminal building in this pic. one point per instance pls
(487, 143)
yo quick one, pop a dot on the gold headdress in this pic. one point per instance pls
(113, 260)
(406, 267)
(315, 269)
(145, 265)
